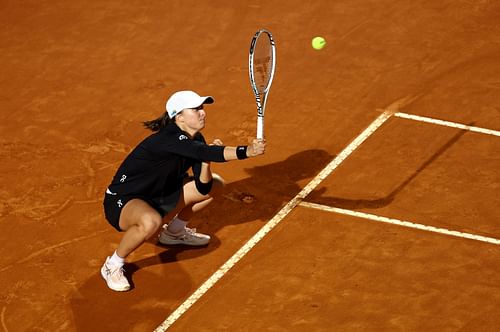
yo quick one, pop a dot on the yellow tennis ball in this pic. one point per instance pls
(318, 43)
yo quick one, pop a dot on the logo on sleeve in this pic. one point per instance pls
(182, 137)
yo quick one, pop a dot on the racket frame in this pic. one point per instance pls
(261, 97)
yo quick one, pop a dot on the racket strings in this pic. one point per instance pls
(263, 63)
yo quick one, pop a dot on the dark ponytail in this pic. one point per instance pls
(159, 123)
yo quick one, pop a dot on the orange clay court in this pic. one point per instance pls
(375, 207)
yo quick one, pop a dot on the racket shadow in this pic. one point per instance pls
(352, 204)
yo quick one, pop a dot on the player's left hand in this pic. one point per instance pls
(257, 147)
(217, 142)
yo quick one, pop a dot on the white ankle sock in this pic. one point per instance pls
(116, 260)
(177, 226)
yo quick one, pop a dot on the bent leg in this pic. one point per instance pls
(139, 221)
(190, 202)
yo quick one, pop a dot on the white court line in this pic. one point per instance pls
(400, 222)
(447, 123)
(273, 222)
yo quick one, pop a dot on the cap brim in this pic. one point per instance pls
(202, 101)
(208, 100)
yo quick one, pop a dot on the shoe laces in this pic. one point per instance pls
(190, 231)
(115, 269)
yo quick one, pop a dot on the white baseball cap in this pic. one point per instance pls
(185, 99)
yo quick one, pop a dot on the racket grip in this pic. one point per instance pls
(260, 127)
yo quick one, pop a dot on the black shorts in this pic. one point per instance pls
(113, 205)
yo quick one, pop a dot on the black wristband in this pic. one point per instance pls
(241, 152)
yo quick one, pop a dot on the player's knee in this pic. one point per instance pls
(217, 185)
(149, 224)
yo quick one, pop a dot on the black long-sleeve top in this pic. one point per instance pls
(158, 165)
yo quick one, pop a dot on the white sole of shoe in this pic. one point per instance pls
(173, 240)
(170, 242)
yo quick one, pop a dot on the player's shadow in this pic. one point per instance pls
(316, 196)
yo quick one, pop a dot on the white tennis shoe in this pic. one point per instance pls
(189, 237)
(114, 277)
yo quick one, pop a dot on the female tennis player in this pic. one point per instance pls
(152, 189)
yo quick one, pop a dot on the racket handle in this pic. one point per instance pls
(260, 127)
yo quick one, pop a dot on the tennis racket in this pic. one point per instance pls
(261, 66)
